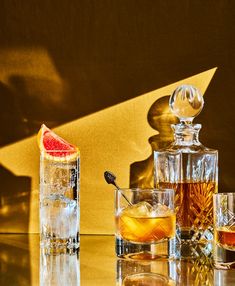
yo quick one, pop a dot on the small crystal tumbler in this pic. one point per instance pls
(145, 224)
(224, 227)
(191, 169)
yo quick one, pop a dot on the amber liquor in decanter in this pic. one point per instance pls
(191, 169)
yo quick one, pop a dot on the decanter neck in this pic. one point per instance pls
(186, 134)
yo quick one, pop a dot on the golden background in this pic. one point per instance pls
(95, 71)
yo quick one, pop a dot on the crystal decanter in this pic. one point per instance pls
(191, 169)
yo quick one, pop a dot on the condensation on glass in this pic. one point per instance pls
(59, 201)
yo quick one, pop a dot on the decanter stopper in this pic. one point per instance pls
(186, 102)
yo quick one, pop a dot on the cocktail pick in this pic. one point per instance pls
(110, 179)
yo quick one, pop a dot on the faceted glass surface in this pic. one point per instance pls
(191, 170)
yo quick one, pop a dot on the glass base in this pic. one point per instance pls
(223, 258)
(194, 245)
(192, 250)
(60, 244)
(152, 251)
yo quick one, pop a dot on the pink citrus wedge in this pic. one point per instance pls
(55, 147)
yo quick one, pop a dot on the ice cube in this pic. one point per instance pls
(59, 216)
(160, 210)
(59, 176)
(141, 209)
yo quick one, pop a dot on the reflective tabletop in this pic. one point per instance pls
(22, 263)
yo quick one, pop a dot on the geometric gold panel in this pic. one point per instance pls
(110, 139)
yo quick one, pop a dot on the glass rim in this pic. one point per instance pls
(224, 194)
(58, 151)
(66, 156)
(142, 190)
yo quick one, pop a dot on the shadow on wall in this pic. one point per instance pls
(14, 202)
(108, 52)
(30, 101)
(160, 118)
(11, 120)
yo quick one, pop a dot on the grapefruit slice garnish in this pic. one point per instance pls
(55, 147)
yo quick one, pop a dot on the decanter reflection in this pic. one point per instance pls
(59, 268)
(223, 277)
(191, 170)
(196, 272)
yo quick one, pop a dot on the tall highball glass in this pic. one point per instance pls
(59, 200)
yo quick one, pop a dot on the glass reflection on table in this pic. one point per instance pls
(59, 268)
(189, 273)
(156, 272)
(21, 264)
(15, 260)
(224, 277)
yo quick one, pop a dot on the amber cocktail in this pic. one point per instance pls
(145, 223)
(224, 226)
(225, 237)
